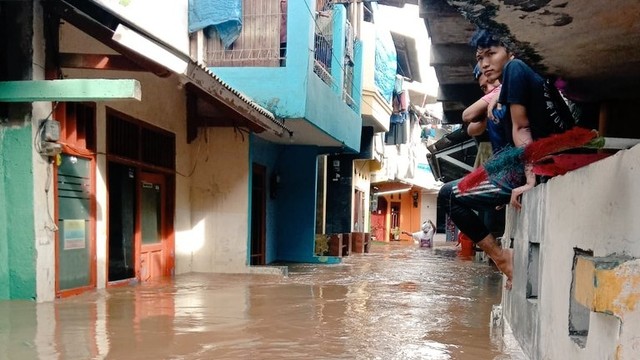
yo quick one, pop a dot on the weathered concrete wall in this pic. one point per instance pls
(219, 202)
(588, 217)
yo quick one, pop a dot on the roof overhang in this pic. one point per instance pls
(390, 187)
(408, 62)
(212, 102)
(592, 45)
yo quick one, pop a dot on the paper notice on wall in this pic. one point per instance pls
(74, 234)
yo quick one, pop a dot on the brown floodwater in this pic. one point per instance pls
(396, 302)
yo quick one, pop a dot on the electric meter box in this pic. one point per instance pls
(51, 130)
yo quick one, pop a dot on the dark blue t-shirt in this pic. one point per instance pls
(495, 129)
(545, 109)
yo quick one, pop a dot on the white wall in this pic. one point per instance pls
(594, 208)
(219, 204)
(429, 206)
(362, 181)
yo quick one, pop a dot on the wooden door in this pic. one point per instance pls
(151, 238)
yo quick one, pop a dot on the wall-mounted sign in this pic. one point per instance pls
(74, 234)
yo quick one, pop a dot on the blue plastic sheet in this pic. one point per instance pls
(223, 17)
(386, 63)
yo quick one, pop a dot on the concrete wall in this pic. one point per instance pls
(219, 201)
(592, 211)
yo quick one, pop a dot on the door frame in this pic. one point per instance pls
(154, 178)
(92, 228)
(262, 237)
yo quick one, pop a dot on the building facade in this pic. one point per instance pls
(113, 170)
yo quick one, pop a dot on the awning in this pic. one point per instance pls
(453, 156)
(211, 101)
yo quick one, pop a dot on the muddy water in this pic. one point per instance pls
(397, 302)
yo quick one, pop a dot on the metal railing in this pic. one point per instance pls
(259, 43)
(322, 54)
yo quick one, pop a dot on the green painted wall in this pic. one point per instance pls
(4, 259)
(17, 245)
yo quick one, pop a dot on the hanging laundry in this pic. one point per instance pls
(398, 123)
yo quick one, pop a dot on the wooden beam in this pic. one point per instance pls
(70, 90)
(98, 62)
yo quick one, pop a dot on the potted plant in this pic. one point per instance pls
(322, 245)
(395, 233)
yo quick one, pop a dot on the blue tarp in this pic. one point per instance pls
(386, 63)
(223, 17)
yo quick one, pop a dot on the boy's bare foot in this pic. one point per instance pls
(504, 262)
(503, 258)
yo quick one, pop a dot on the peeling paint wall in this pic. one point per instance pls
(595, 211)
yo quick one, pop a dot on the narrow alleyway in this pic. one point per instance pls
(396, 302)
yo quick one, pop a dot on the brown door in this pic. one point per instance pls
(151, 238)
(258, 214)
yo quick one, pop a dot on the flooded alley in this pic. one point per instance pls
(396, 302)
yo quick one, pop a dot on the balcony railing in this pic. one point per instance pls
(262, 43)
(259, 43)
(323, 51)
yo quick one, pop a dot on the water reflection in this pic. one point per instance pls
(397, 302)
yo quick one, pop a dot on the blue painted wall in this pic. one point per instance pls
(17, 244)
(294, 91)
(296, 211)
(336, 119)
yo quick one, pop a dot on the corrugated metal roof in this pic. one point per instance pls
(242, 96)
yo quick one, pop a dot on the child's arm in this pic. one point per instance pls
(515, 193)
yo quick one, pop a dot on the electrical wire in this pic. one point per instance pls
(51, 225)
